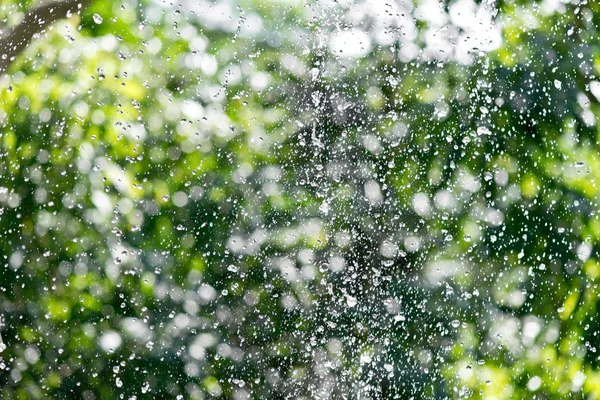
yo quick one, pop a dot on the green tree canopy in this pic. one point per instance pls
(255, 199)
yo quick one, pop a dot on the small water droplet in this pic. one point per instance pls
(232, 268)
(351, 301)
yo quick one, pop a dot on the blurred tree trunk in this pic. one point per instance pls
(16, 39)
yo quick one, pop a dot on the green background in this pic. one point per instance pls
(205, 201)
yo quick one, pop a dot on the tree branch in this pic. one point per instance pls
(17, 38)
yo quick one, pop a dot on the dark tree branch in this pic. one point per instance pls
(17, 38)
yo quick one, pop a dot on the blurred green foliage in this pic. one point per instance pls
(208, 200)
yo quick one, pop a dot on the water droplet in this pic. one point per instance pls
(351, 301)
(482, 130)
(232, 268)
